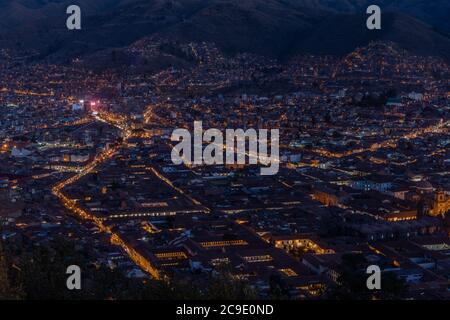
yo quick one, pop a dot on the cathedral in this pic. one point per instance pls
(440, 205)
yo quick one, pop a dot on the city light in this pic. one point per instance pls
(239, 150)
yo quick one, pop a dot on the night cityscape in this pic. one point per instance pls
(360, 163)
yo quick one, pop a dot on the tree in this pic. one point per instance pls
(392, 287)
(4, 281)
(7, 291)
(43, 275)
(115, 185)
(224, 287)
(353, 282)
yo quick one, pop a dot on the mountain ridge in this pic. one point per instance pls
(275, 28)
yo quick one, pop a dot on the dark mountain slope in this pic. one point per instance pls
(436, 13)
(265, 27)
(340, 34)
(275, 28)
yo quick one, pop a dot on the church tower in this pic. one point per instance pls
(441, 204)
